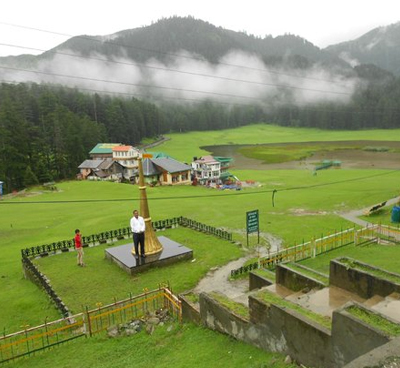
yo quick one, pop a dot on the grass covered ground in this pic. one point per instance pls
(178, 144)
(102, 281)
(182, 346)
(304, 206)
(382, 256)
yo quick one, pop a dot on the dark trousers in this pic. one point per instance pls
(138, 238)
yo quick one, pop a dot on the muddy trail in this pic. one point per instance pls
(217, 279)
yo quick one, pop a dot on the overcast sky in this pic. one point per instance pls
(321, 22)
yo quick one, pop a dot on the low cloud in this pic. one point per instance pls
(237, 78)
(349, 59)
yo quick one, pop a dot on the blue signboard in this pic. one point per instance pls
(1, 188)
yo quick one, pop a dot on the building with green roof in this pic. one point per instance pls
(103, 150)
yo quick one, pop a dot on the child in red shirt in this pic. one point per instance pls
(78, 247)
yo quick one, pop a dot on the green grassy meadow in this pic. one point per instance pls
(304, 206)
(385, 257)
(183, 346)
(178, 144)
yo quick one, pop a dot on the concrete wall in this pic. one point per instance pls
(256, 281)
(360, 282)
(383, 356)
(190, 312)
(288, 332)
(219, 318)
(352, 337)
(278, 329)
(294, 280)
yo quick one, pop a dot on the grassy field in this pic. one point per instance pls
(87, 286)
(303, 206)
(178, 145)
(279, 153)
(381, 256)
(300, 212)
(183, 346)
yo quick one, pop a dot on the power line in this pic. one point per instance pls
(236, 193)
(131, 94)
(147, 66)
(155, 86)
(177, 71)
(126, 83)
(302, 108)
(102, 41)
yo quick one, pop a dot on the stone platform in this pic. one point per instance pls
(172, 252)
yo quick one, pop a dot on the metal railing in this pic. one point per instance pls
(88, 323)
(119, 234)
(315, 247)
(33, 273)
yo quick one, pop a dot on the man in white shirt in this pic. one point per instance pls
(138, 227)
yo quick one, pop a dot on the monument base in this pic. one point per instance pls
(172, 252)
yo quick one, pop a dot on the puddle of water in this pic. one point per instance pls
(324, 301)
(280, 290)
(389, 306)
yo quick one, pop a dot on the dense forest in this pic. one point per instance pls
(46, 132)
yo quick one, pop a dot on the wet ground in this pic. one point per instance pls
(326, 300)
(350, 158)
(323, 301)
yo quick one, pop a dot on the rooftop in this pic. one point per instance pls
(123, 148)
(170, 165)
(104, 148)
(206, 160)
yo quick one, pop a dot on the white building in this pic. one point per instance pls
(206, 168)
(127, 156)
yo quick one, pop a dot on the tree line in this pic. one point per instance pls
(47, 131)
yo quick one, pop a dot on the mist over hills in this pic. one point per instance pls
(170, 36)
(180, 74)
(186, 58)
(380, 47)
(183, 59)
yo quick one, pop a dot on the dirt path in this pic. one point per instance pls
(217, 279)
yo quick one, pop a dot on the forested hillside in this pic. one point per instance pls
(193, 81)
(380, 46)
(46, 132)
(170, 36)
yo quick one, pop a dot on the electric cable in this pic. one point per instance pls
(103, 41)
(236, 193)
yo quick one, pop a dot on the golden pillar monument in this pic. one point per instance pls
(151, 243)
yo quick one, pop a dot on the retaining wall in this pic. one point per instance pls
(359, 281)
(352, 337)
(279, 329)
(190, 312)
(257, 281)
(294, 280)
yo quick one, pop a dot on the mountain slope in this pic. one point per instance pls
(171, 36)
(380, 47)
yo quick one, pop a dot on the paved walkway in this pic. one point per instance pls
(353, 216)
